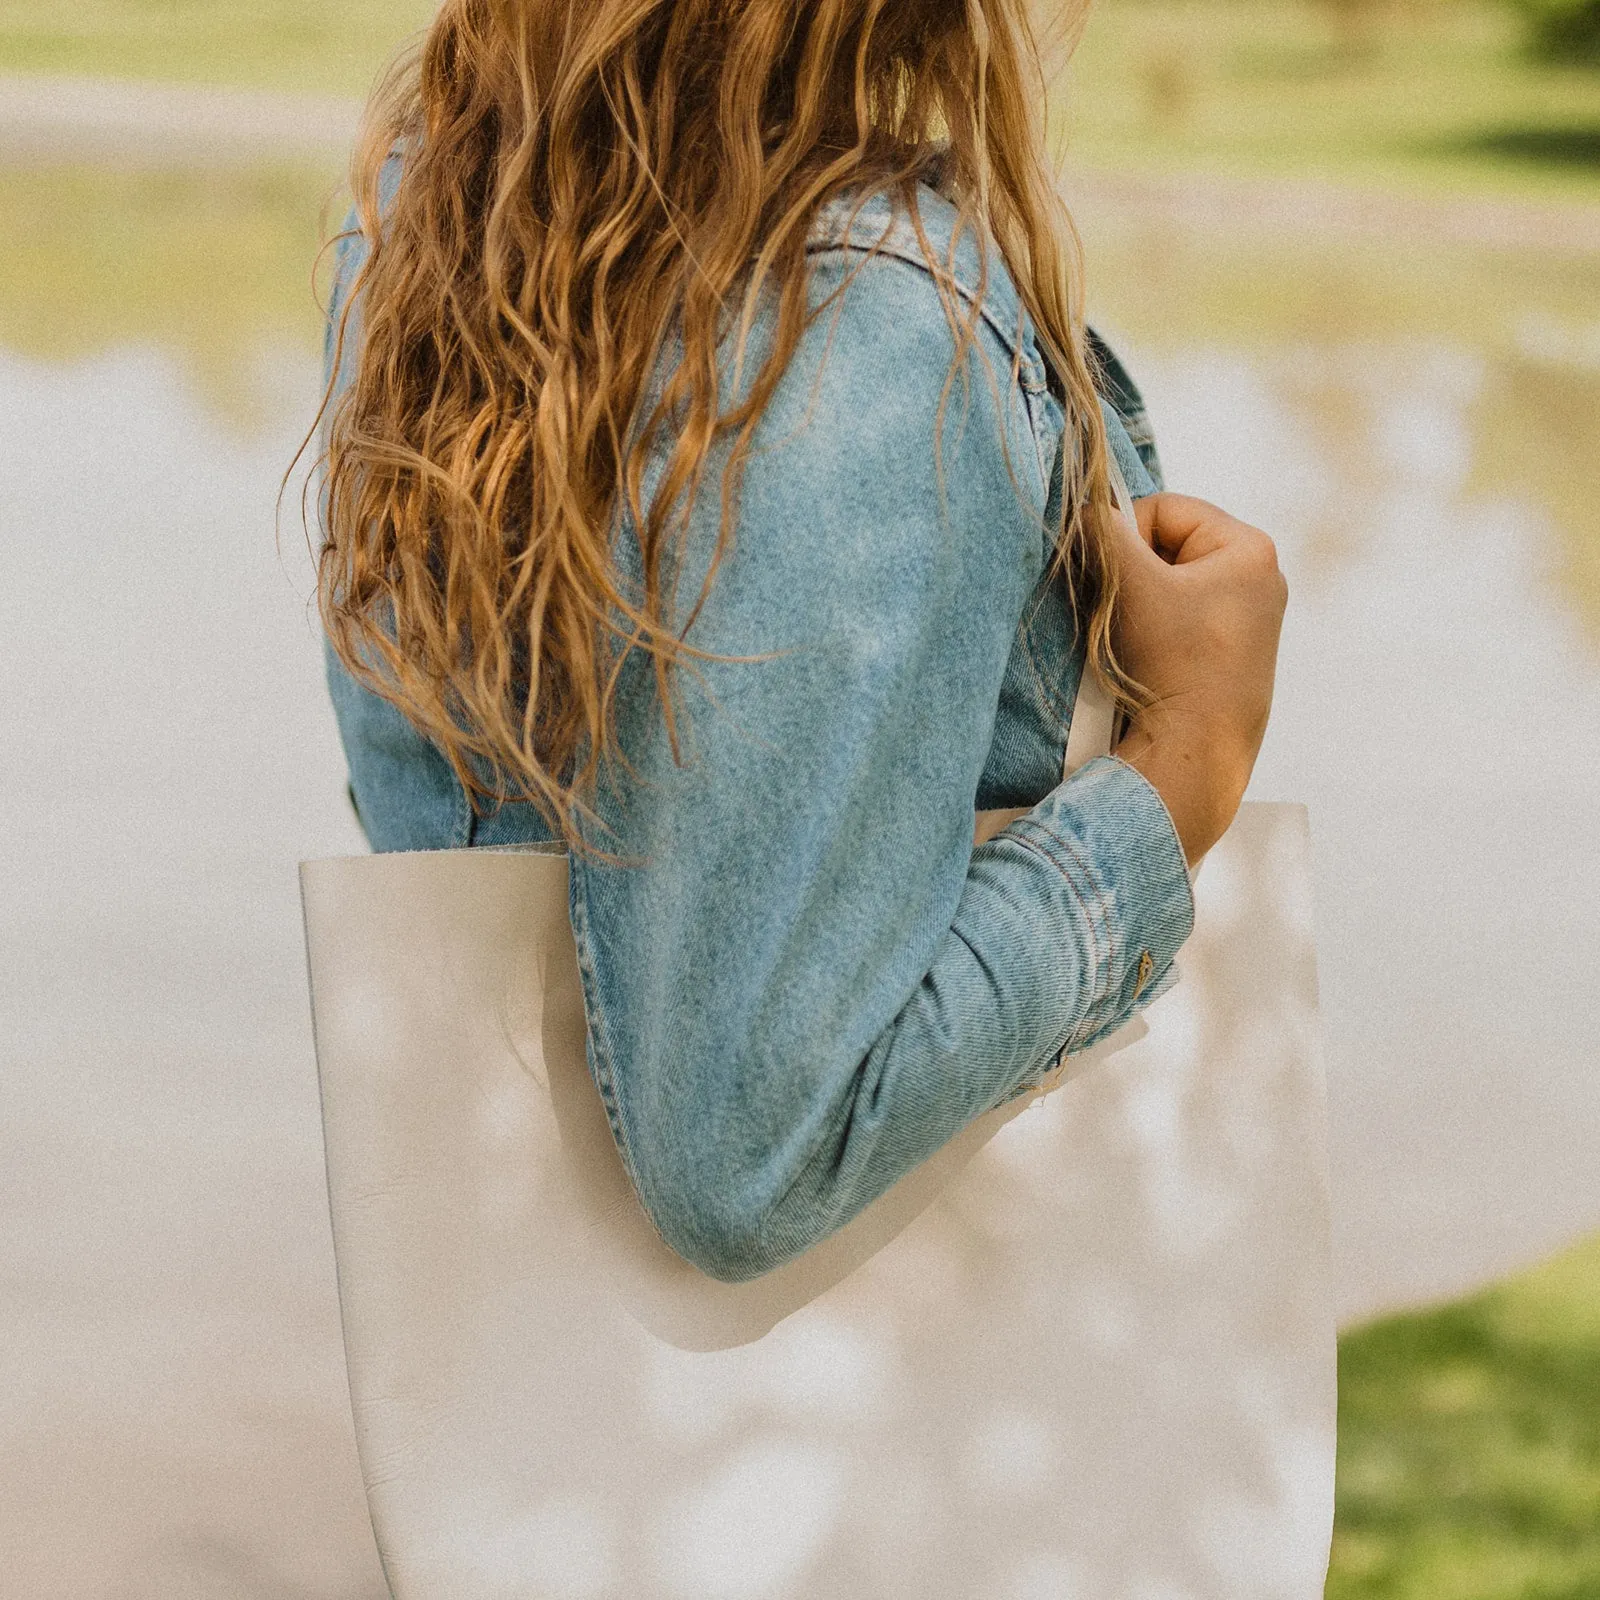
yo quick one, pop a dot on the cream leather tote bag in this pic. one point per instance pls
(1086, 1352)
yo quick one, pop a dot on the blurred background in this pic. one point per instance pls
(1351, 249)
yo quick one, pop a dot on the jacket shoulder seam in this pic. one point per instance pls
(897, 239)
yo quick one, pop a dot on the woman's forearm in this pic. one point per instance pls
(794, 1061)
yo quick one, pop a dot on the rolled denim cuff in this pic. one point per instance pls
(1109, 833)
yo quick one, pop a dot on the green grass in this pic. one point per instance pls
(1469, 1446)
(1431, 94)
(214, 265)
(326, 46)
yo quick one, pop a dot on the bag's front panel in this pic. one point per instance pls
(1097, 1363)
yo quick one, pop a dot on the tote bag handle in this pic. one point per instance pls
(1094, 715)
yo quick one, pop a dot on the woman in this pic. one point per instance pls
(717, 481)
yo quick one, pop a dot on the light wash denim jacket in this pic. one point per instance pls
(813, 980)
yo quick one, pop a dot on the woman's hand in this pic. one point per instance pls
(1198, 618)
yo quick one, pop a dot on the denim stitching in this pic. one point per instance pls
(1032, 835)
(1061, 852)
(1096, 905)
(1048, 845)
(463, 817)
(603, 1070)
(1031, 398)
(1104, 903)
(891, 240)
(1027, 376)
(1081, 1024)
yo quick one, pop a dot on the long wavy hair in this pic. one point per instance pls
(582, 181)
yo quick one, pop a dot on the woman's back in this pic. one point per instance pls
(860, 415)
(800, 977)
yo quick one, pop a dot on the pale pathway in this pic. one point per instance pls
(155, 123)
(161, 124)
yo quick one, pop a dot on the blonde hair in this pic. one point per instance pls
(581, 179)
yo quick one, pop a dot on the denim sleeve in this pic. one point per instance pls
(801, 979)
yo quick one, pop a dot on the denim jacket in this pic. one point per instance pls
(808, 979)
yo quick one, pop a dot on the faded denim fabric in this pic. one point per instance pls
(812, 981)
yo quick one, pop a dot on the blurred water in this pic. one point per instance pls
(173, 1403)
(1439, 710)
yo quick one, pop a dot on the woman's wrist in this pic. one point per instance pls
(1200, 779)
